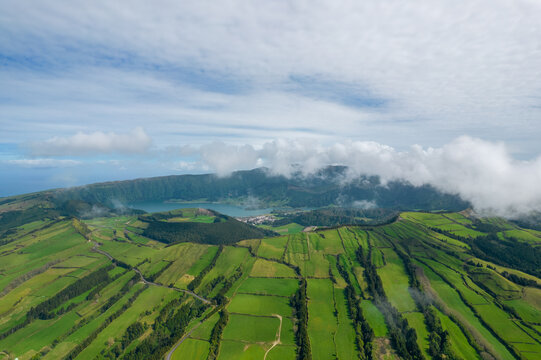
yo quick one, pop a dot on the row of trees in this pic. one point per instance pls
(168, 328)
(197, 280)
(403, 337)
(45, 309)
(83, 344)
(220, 298)
(439, 346)
(216, 335)
(299, 303)
(364, 335)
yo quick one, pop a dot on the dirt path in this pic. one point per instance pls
(278, 334)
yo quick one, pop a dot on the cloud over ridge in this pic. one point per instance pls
(480, 171)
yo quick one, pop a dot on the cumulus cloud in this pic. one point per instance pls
(134, 142)
(480, 171)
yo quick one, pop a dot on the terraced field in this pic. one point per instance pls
(98, 289)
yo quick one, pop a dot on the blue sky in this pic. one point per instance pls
(107, 90)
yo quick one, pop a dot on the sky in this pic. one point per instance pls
(428, 91)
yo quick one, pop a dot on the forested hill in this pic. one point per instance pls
(322, 189)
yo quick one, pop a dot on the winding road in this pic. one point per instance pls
(98, 250)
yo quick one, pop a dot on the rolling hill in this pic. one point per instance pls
(424, 286)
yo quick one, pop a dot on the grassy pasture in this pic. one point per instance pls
(396, 282)
(183, 257)
(495, 283)
(228, 261)
(251, 328)
(241, 351)
(375, 318)
(292, 228)
(459, 342)
(282, 352)
(192, 349)
(259, 305)
(205, 329)
(322, 324)
(345, 334)
(328, 241)
(416, 321)
(529, 236)
(273, 248)
(269, 286)
(456, 306)
(265, 268)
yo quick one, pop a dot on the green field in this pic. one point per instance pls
(255, 281)
(322, 324)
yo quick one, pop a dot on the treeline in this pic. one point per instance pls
(157, 274)
(220, 298)
(88, 340)
(101, 310)
(338, 216)
(403, 337)
(520, 280)
(224, 232)
(364, 334)
(81, 228)
(197, 280)
(299, 303)
(44, 310)
(510, 253)
(375, 287)
(216, 335)
(133, 332)
(439, 346)
(168, 327)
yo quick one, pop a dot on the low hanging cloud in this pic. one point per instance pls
(479, 171)
(135, 142)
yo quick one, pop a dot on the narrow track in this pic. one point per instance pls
(98, 250)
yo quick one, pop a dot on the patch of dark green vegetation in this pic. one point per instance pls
(510, 253)
(403, 337)
(216, 335)
(45, 309)
(157, 274)
(88, 340)
(439, 346)
(364, 334)
(220, 298)
(228, 231)
(197, 280)
(520, 280)
(299, 303)
(168, 327)
(338, 216)
(133, 332)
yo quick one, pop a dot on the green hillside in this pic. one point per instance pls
(424, 286)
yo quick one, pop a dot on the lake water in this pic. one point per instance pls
(231, 210)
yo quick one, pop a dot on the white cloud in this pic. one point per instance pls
(481, 172)
(134, 142)
(42, 163)
(443, 68)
